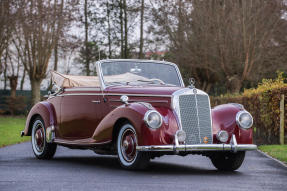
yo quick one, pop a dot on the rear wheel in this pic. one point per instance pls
(128, 156)
(228, 161)
(41, 148)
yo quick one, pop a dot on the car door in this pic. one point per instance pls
(80, 113)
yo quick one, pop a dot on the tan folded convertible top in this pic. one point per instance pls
(69, 81)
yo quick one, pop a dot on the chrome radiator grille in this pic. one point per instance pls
(195, 118)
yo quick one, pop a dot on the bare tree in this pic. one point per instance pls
(108, 11)
(12, 69)
(141, 28)
(224, 41)
(86, 24)
(6, 25)
(39, 24)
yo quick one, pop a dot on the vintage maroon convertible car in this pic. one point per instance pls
(138, 109)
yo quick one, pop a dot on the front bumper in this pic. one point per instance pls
(233, 146)
(199, 147)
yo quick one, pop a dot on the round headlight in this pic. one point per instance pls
(244, 119)
(153, 119)
(222, 136)
(181, 135)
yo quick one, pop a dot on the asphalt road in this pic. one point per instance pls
(84, 170)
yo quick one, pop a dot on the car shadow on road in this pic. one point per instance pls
(111, 163)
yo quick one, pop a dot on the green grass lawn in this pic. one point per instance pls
(10, 128)
(277, 151)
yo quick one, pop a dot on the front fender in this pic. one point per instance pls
(134, 113)
(43, 109)
(224, 118)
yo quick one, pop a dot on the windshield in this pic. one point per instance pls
(139, 73)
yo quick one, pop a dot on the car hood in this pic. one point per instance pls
(152, 90)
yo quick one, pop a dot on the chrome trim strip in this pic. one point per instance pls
(78, 94)
(103, 94)
(82, 89)
(96, 101)
(138, 95)
(147, 101)
(66, 142)
(199, 135)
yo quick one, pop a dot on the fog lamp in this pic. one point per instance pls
(181, 135)
(222, 136)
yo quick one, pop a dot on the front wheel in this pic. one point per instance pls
(228, 161)
(41, 148)
(128, 156)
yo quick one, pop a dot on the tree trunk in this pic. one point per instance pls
(1, 67)
(86, 39)
(126, 29)
(23, 80)
(13, 85)
(56, 56)
(109, 30)
(5, 76)
(55, 64)
(141, 30)
(122, 28)
(36, 93)
(234, 84)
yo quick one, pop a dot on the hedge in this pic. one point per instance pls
(16, 106)
(264, 105)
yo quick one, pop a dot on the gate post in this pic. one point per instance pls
(281, 130)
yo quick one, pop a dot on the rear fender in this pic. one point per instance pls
(43, 109)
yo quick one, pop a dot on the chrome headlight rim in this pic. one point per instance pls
(147, 121)
(238, 119)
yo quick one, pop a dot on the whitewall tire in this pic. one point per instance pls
(128, 157)
(41, 149)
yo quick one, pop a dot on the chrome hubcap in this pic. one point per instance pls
(39, 138)
(128, 145)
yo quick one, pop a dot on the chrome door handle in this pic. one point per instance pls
(96, 101)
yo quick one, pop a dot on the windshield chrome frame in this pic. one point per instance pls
(101, 76)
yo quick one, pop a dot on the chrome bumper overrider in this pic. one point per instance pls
(233, 146)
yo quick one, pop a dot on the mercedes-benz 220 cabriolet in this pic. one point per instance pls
(138, 110)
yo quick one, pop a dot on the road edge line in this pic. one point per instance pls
(272, 158)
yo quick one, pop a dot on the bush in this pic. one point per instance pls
(13, 106)
(263, 103)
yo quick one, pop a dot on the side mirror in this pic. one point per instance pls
(54, 90)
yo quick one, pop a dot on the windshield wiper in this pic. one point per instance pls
(153, 81)
(116, 83)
